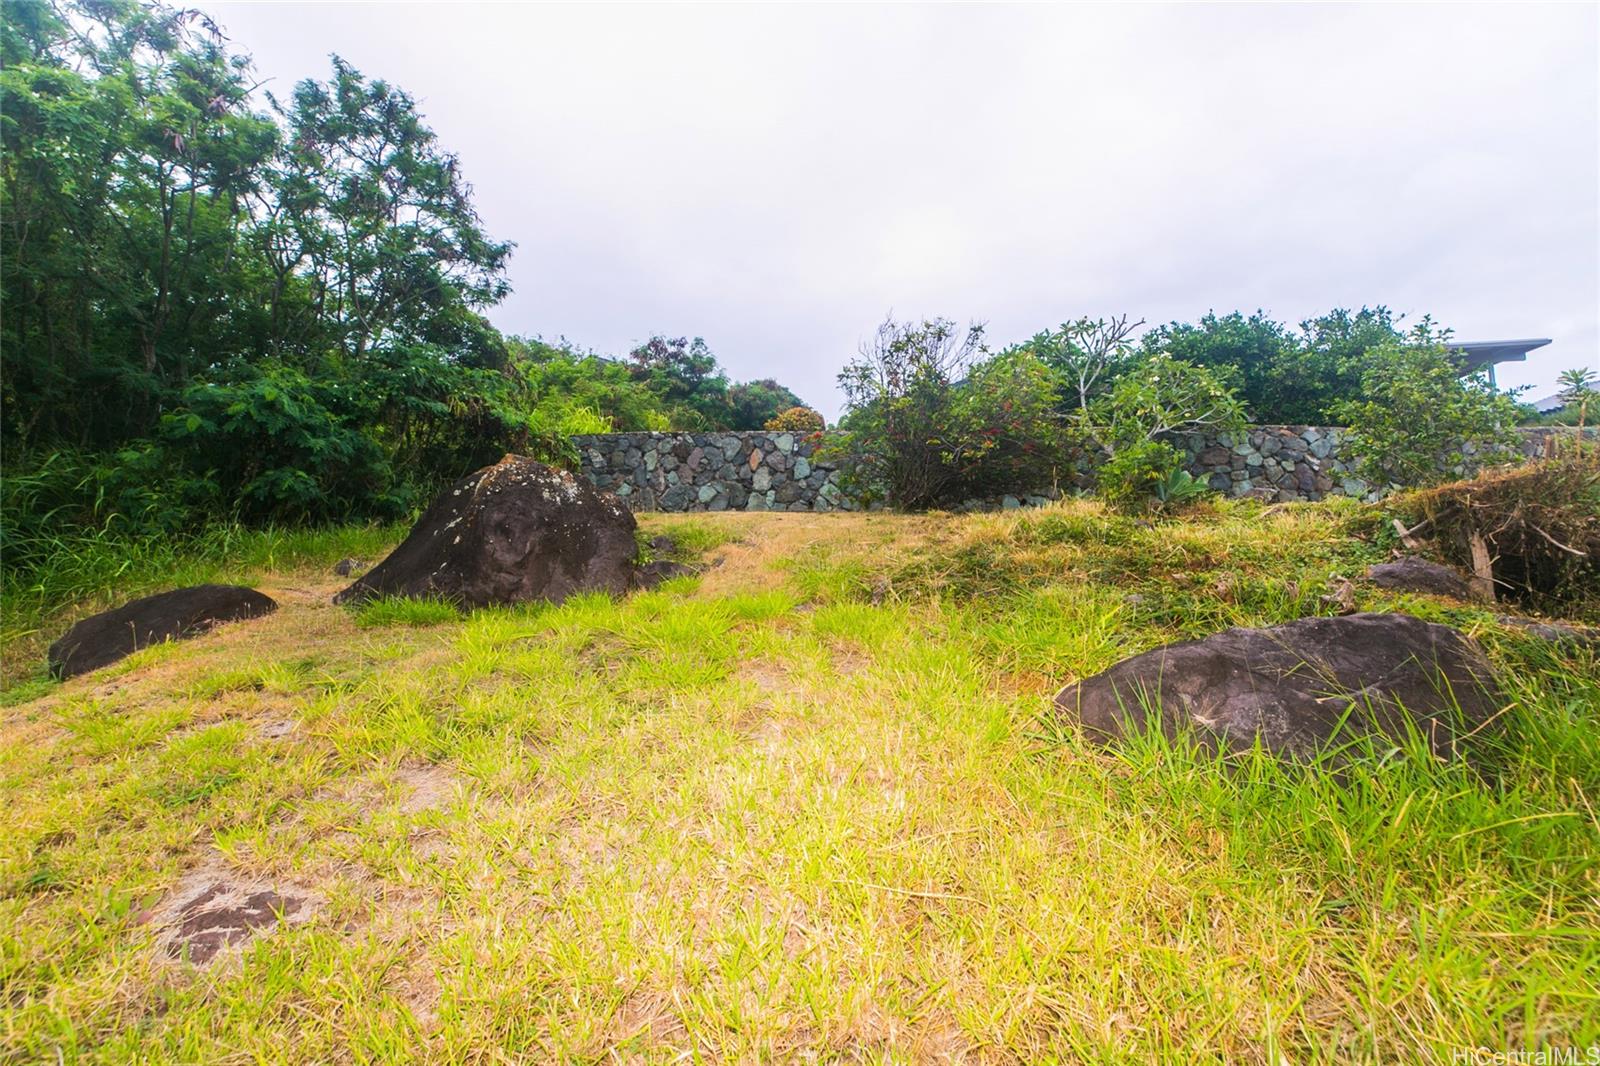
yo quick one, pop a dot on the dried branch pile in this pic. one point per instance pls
(1528, 533)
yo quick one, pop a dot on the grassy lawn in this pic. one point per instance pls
(810, 805)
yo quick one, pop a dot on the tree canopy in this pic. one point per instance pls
(222, 303)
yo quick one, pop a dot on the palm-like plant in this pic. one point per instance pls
(1578, 390)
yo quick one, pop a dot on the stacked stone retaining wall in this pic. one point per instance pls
(766, 471)
(732, 471)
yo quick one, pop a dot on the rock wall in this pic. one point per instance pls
(745, 471)
(761, 471)
(1275, 463)
(1286, 463)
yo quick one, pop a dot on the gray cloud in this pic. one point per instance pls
(775, 178)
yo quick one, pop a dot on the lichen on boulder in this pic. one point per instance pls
(515, 532)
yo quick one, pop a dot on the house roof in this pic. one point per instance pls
(1478, 354)
(1548, 404)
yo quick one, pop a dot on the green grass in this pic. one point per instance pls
(691, 537)
(809, 805)
(92, 571)
(405, 611)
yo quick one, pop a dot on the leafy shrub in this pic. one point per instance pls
(752, 404)
(1180, 487)
(1007, 422)
(1134, 473)
(1283, 374)
(282, 445)
(796, 420)
(1129, 425)
(558, 377)
(1420, 422)
(1247, 352)
(920, 435)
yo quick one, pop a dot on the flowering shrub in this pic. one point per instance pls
(796, 420)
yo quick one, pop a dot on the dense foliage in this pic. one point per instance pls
(1287, 375)
(696, 392)
(1419, 422)
(220, 304)
(1133, 425)
(933, 418)
(1124, 406)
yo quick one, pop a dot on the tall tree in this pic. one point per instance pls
(751, 404)
(130, 151)
(381, 218)
(685, 375)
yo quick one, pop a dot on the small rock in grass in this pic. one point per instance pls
(220, 911)
(349, 567)
(1410, 574)
(651, 574)
(1554, 632)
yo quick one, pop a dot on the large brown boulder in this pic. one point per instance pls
(510, 533)
(177, 615)
(1298, 687)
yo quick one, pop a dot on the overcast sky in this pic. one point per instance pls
(777, 178)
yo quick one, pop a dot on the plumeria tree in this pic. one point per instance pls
(1130, 427)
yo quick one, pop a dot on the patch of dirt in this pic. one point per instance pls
(939, 1039)
(643, 1016)
(849, 661)
(418, 989)
(277, 728)
(427, 788)
(38, 728)
(351, 791)
(767, 676)
(214, 908)
(768, 539)
(431, 847)
(775, 735)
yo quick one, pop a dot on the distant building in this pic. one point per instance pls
(1549, 405)
(1483, 355)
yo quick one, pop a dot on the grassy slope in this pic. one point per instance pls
(807, 803)
(96, 571)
